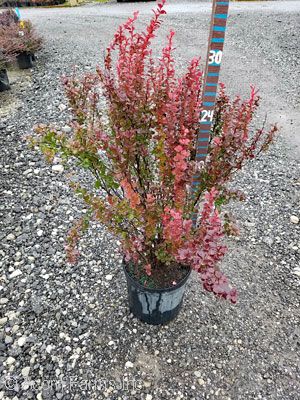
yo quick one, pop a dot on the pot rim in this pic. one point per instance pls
(154, 290)
(25, 53)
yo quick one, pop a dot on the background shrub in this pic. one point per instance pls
(8, 17)
(15, 39)
(28, 3)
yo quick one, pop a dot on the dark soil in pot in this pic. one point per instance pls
(4, 82)
(25, 60)
(162, 276)
(155, 305)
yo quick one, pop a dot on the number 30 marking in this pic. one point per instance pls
(215, 57)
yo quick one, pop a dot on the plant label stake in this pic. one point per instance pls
(18, 14)
(211, 79)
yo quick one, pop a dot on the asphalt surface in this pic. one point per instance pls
(66, 331)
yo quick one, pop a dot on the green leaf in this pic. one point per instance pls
(220, 201)
(97, 184)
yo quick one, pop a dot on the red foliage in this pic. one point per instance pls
(140, 146)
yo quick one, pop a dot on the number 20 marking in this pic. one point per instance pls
(206, 115)
(215, 57)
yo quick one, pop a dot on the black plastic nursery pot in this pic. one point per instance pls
(154, 306)
(4, 82)
(25, 60)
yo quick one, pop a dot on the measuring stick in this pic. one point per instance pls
(210, 85)
(18, 14)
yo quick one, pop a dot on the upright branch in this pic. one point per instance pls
(134, 128)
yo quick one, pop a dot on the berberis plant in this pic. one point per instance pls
(140, 147)
(17, 38)
(8, 17)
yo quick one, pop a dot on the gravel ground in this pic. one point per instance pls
(66, 331)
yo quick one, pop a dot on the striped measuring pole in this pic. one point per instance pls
(211, 79)
(18, 14)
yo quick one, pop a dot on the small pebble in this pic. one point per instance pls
(296, 271)
(49, 348)
(8, 339)
(3, 321)
(22, 341)
(10, 237)
(14, 274)
(294, 219)
(67, 129)
(25, 372)
(62, 107)
(58, 168)
(10, 360)
(129, 364)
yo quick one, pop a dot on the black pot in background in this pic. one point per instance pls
(154, 306)
(4, 82)
(25, 60)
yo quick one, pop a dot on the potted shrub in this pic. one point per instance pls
(20, 40)
(139, 145)
(4, 82)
